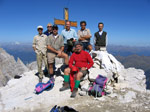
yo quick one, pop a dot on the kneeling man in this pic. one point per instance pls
(80, 60)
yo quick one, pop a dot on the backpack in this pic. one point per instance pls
(62, 109)
(98, 86)
(40, 87)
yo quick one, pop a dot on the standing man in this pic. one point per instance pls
(84, 36)
(70, 36)
(100, 38)
(81, 61)
(55, 46)
(49, 30)
(40, 48)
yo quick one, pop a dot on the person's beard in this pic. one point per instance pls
(78, 51)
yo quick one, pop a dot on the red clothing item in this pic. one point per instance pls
(83, 59)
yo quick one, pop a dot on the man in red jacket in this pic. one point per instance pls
(80, 61)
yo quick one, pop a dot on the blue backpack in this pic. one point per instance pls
(40, 87)
(98, 86)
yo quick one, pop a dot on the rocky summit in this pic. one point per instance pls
(126, 89)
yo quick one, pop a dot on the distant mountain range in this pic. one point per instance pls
(22, 50)
(25, 52)
(129, 56)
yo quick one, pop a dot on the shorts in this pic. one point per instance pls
(85, 45)
(51, 57)
(84, 73)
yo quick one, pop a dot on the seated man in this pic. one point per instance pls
(55, 46)
(82, 61)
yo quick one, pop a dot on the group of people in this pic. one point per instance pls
(50, 44)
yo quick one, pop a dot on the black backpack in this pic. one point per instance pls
(62, 109)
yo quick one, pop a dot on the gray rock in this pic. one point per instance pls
(128, 97)
(32, 66)
(9, 67)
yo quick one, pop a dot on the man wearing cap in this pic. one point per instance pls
(70, 36)
(55, 46)
(100, 38)
(49, 30)
(84, 36)
(40, 48)
(81, 61)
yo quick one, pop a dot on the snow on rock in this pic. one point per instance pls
(127, 78)
(108, 62)
(105, 64)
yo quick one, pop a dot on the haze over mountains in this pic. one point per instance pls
(129, 56)
(25, 52)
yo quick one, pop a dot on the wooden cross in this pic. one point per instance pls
(66, 18)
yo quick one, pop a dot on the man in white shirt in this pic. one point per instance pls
(84, 36)
(100, 38)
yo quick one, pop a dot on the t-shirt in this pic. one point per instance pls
(55, 42)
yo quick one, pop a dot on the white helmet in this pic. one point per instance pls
(40, 27)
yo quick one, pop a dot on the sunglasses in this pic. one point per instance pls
(49, 26)
(40, 29)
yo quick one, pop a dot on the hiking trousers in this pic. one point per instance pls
(40, 58)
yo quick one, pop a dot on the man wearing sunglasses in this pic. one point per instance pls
(40, 48)
(49, 30)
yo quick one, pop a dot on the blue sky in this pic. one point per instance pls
(127, 22)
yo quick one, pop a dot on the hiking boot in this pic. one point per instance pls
(52, 79)
(74, 93)
(65, 86)
(40, 80)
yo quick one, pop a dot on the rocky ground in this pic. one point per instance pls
(18, 96)
(128, 95)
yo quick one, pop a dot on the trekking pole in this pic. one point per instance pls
(96, 91)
